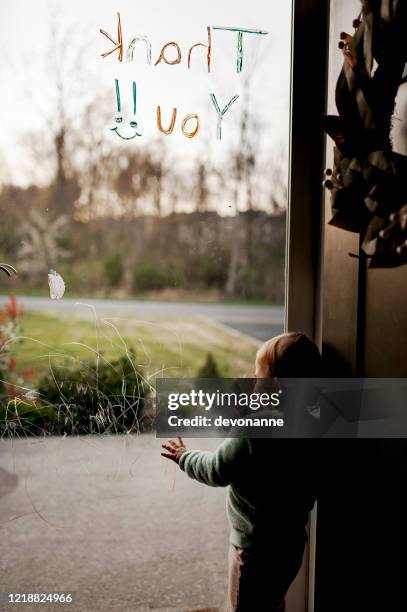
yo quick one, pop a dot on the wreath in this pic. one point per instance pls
(368, 181)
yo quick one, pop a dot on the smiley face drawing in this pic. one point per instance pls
(119, 117)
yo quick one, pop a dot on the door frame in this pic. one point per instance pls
(305, 214)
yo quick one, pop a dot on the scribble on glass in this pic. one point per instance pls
(208, 47)
(240, 32)
(172, 62)
(132, 44)
(221, 113)
(56, 285)
(118, 46)
(170, 128)
(119, 116)
(192, 133)
(8, 269)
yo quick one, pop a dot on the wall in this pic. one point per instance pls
(364, 322)
(362, 508)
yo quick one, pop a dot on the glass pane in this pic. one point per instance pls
(143, 206)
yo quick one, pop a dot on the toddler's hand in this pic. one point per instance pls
(175, 449)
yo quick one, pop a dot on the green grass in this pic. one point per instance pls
(169, 348)
(73, 349)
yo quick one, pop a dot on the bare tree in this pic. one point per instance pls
(40, 249)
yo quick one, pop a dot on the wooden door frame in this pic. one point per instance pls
(304, 244)
(305, 215)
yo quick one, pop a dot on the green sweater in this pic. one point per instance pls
(271, 488)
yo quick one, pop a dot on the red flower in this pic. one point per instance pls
(28, 373)
(11, 308)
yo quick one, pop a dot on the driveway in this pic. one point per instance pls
(112, 521)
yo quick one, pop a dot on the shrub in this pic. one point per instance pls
(113, 270)
(211, 272)
(210, 368)
(95, 398)
(11, 381)
(21, 417)
(18, 415)
(149, 277)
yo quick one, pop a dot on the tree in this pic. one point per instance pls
(41, 247)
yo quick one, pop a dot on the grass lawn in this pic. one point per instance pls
(88, 367)
(169, 348)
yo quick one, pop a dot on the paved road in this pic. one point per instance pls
(260, 322)
(111, 520)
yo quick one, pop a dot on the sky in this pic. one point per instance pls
(27, 58)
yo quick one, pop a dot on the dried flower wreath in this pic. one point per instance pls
(368, 182)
